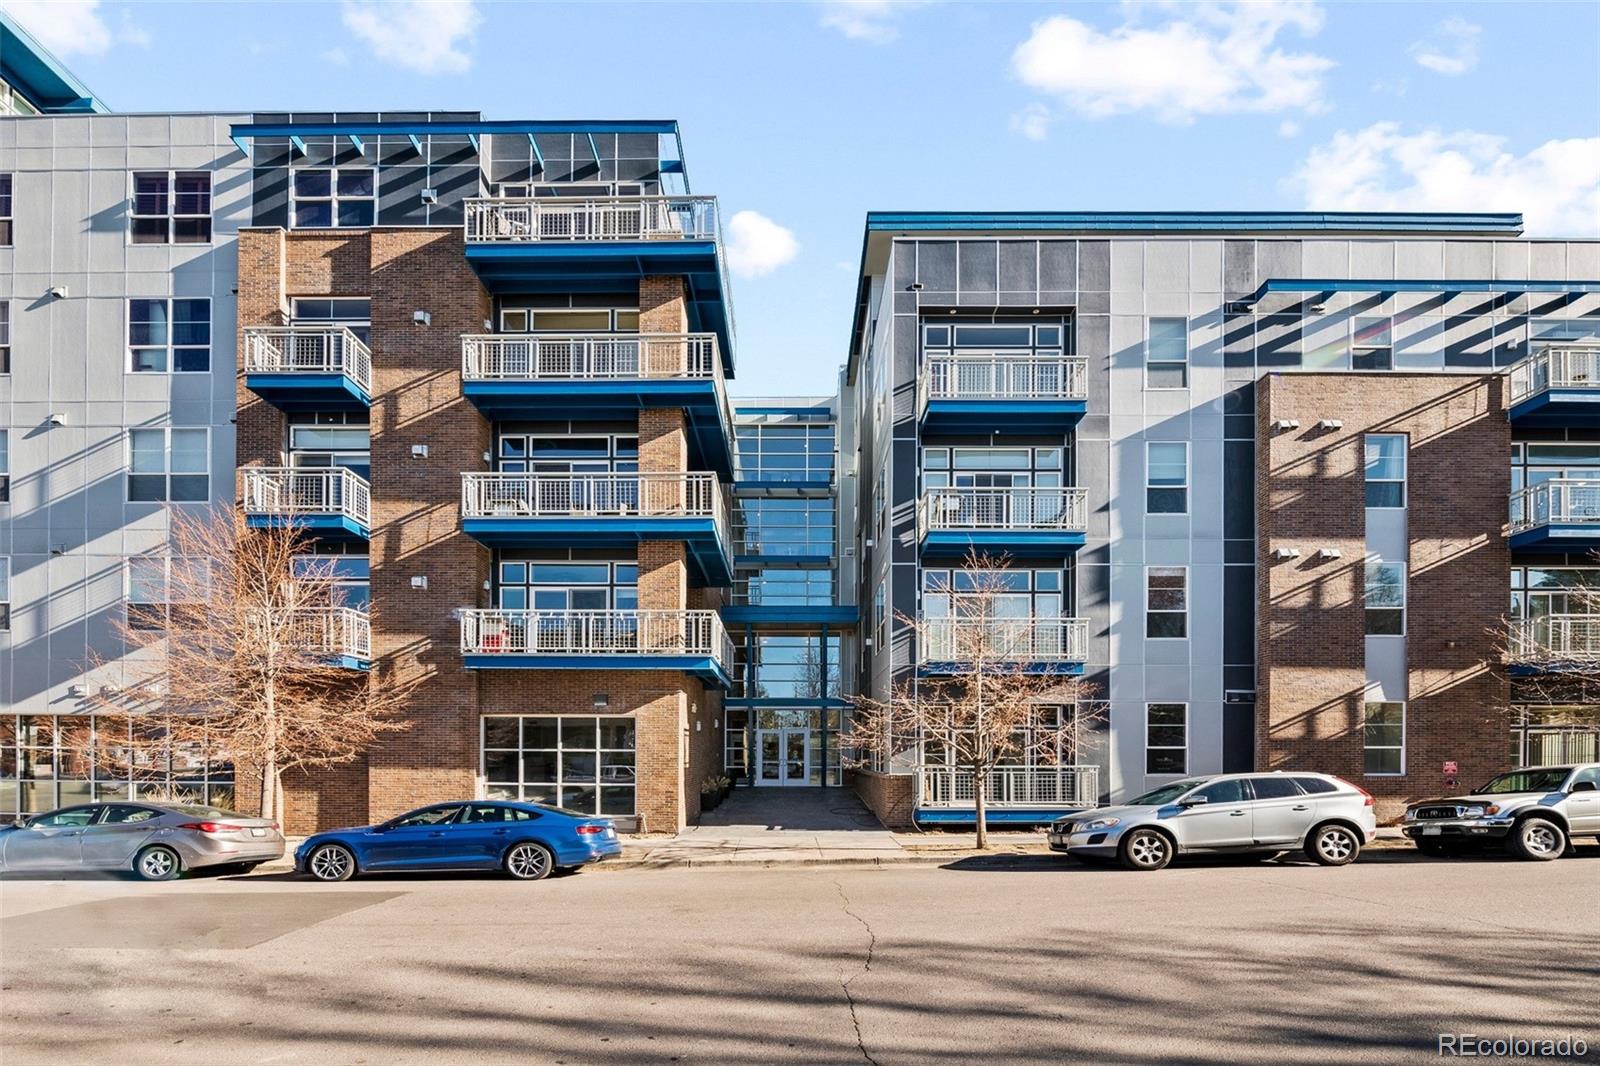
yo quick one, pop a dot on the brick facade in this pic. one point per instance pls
(1311, 655)
(892, 797)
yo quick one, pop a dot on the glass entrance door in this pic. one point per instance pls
(782, 757)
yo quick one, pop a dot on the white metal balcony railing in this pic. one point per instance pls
(997, 376)
(626, 495)
(292, 491)
(539, 632)
(589, 357)
(1020, 640)
(1017, 507)
(606, 218)
(1010, 786)
(1556, 637)
(1574, 365)
(1559, 501)
(341, 631)
(308, 349)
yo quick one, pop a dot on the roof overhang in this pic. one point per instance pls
(41, 77)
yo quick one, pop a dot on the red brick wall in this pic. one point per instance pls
(892, 797)
(1310, 493)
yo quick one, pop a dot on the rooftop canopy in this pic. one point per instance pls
(39, 76)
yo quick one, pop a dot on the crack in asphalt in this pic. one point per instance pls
(844, 983)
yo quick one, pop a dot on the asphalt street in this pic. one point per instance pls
(1029, 959)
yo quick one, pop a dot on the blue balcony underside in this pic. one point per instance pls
(602, 266)
(1558, 537)
(1018, 543)
(351, 662)
(295, 393)
(779, 487)
(836, 616)
(332, 527)
(1039, 669)
(702, 666)
(1002, 416)
(709, 563)
(1558, 407)
(995, 815)
(710, 435)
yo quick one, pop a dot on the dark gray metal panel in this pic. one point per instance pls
(1019, 267)
(1239, 267)
(1094, 266)
(976, 261)
(903, 269)
(1238, 489)
(1238, 737)
(400, 196)
(936, 266)
(1238, 614)
(454, 185)
(269, 197)
(1058, 266)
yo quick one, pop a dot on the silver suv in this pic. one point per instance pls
(1533, 812)
(1329, 818)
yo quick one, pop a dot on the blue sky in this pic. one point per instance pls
(802, 117)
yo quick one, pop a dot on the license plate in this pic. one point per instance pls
(1431, 831)
(258, 832)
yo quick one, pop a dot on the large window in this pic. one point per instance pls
(171, 207)
(785, 451)
(169, 335)
(1166, 602)
(324, 198)
(1166, 477)
(5, 210)
(785, 527)
(583, 763)
(998, 338)
(5, 593)
(572, 585)
(779, 587)
(169, 465)
(544, 453)
(1385, 599)
(518, 315)
(353, 312)
(331, 439)
(49, 761)
(1386, 469)
(1384, 739)
(1166, 354)
(794, 666)
(1166, 738)
(5, 336)
(153, 587)
(1013, 593)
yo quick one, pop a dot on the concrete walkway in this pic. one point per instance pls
(764, 826)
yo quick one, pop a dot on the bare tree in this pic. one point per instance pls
(984, 710)
(242, 657)
(1554, 659)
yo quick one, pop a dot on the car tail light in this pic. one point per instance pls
(211, 827)
(590, 830)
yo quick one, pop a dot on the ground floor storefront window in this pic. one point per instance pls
(581, 762)
(49, 761)
(776, 746)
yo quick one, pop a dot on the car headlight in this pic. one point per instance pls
(1099, 823)
(1472, 812)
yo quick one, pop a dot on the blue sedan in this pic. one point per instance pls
(526, 840)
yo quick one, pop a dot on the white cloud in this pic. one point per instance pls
(757, 245)
(876, 21)
(1033, 122)
(1452, 50)
(421, 35)
(65, 27)
(1556, 185)
(1205, 58)
(1288, 128)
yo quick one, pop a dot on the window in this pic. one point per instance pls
(790, 666)
(5, 466)
(430, 816)
(1315, 786)
(1228, 791)
(1166, 477)
(1271, 788)
(5, 594)
(589, 585)
(777, 527)
(778, 587)
(148, 592)
(169, 465)
(168, 335)
(1166, 602)
(352, 312)
(5, 336)
(1166, 354)
(785, 451)
(1371, 344)
(121, 814)
(5, 210)
(171, 207)
(333, 198)
(1384, 739)
(1166, 738)
(1385, 599)
(1386, 469)
(585, 764)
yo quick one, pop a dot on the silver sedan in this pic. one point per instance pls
(156, 841)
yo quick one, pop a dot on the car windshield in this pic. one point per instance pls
(1166, 793)
(1527, 781)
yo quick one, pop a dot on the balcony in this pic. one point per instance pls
(1554, 643)
(1013, 794)
(602, 511)
(308, 367)
(566, 244)
(344, 633)
(605, 377)
(1558, 385)
(1036, 645)
(1023, 522)
(1000, 393)
(694, 642)
(331, 503)
(1559, 515)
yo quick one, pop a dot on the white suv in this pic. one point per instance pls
(1327, 817)
(1533, 812)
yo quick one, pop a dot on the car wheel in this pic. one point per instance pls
(331, 862)
(157, 863)
(1539, 839)
(1334, 845)
(529, 861)
(1145, 849)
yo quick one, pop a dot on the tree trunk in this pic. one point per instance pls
(980, 788)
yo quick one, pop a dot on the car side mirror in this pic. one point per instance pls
(1584, 786)
(1193, 801)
